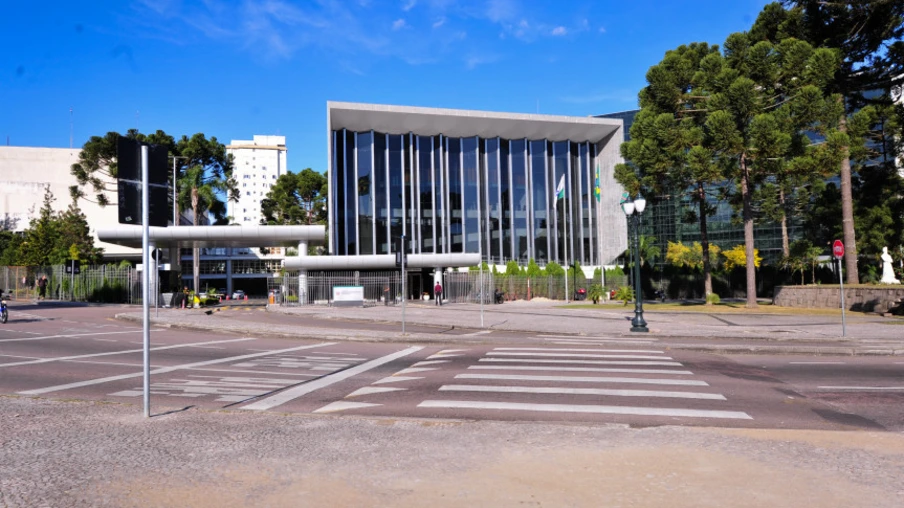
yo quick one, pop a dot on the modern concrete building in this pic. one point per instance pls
(24, 174)
(506, 186)
(257, 164)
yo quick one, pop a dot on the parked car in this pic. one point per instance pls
(238, 294)
(222, 293)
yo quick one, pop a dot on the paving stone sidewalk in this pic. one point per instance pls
(760, 332)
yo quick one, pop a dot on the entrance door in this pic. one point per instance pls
(415, 286)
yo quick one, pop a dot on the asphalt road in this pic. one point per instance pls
(81, 353)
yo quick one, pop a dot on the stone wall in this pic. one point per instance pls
(879, 299)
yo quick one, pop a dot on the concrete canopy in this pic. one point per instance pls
(381, 261)
(467, 123)
(215, 236)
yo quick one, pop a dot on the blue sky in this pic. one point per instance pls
(232, 69)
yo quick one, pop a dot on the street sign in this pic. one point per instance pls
(74, 267)
(838, 249)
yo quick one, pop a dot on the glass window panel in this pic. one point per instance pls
(380, 193)
(493, 200)
(365, 193)
(350, 211)
(438, 193)
(455, 195)
(338, 225)
(471, 204)
(560, 159)
(541, 194)
(410, 191)
(520, 199)
(505, 186)
(425, 173)
(395, 185)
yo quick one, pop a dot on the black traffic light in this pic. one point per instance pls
(129, 185)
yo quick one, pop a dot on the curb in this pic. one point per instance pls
(331, 334)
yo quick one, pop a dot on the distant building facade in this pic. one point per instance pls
(508, 186)
(24, 174)
(257, 164)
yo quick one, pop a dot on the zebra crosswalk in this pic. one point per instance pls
(559, 378)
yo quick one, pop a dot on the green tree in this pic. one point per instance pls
(666, 154)
(868, 37)
(42, 235)
(75, 237)
(762, 91)
(97, 167)
(296, 198)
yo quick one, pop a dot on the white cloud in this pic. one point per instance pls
(440, 22)
(409, 5)
(399, 24)
(559, 30)
(602, 30)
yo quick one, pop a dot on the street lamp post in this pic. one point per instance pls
(633, 211)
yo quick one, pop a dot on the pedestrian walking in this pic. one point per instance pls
(438, 294)
(42, 287)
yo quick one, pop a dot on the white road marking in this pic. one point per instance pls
(582, 362)
(165, 370)
(582, 337)
(229, 371)
(415, 370)
(816, 363)
(580, 391)
(429, 362)
(112, 353)
(581, 369)
(576, 350)
(578, 342)
(572, 408)
(106, 340)
(341, 405)
(395, 379)
(578, 355)
(4, 329)
(368, 390)
(864, 388)
(580, 379)
(298, 391)
(71, 335)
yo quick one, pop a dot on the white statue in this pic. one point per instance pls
(888, 274)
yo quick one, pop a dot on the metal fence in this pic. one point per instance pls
(96, 283)
(385, 288)
(316, 288)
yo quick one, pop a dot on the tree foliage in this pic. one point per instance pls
(295, 199)
(685, 256)
(737, 257)
(52, 238)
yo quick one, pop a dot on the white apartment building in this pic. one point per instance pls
(257, 165)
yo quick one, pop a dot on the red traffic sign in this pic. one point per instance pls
(838, 249)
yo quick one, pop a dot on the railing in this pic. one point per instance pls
(96, 283)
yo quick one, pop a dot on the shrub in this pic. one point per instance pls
(625, 294)
(712, 298)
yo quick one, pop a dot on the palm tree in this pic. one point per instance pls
(201, 190)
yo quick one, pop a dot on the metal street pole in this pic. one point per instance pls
(404, 276)
(145, 280)
(639, 324)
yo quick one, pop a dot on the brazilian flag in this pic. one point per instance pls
(596, 190)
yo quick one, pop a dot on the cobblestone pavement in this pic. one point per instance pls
(73, 454)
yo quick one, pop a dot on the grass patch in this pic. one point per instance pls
(728, 308)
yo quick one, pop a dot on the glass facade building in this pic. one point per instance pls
(454, 181)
